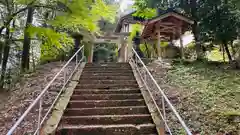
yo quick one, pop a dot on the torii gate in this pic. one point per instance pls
(119, 39)
(91, 39)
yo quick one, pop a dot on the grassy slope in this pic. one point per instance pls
(210, 96)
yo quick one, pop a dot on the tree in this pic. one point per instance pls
(54, 31)
(220, 22)
(27, 40)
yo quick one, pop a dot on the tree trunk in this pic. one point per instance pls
(195, 30)
(1, 45)
(27, 41)
(5, 58)
(1, 51)
(77, 42)
(233, 50)
(227, 51)
(223, 52)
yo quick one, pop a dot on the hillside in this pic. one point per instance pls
(208, 95)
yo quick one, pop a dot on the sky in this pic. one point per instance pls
(124, 4)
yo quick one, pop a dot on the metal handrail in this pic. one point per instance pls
(164, 97)
(40, 96)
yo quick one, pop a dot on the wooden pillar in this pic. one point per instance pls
(159, 43)
(181, 41)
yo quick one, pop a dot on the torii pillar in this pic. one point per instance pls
(90, 48)
(122, 50)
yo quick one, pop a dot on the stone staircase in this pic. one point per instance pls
(107, 101)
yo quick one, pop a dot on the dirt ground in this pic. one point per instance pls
(15, 101)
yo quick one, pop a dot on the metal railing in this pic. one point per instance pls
(166, 110)
(32, 120)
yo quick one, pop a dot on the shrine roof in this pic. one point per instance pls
(169, 22)
(128, 18)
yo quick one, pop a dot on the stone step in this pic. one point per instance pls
(107, 74)
(106, 77)
(107, 119)
(123, 129)
(106, 111)
(108, 91)
(108, 65)
(107, 69)
(105, 103)
(86, 81)
(106, 86)
(106, 96)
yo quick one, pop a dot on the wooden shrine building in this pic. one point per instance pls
(168, 25)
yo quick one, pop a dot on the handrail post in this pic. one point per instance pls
(39, 116)
(76, 60)
(164, 111)
(64, 76)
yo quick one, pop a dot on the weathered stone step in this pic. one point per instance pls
(106, 86)
(107, 71)
(107, 74)
(105, 77)
(107, 119)
(106, 68)
(106, 111)
(106, 96)
(85, 81)
(110, 91)
(107, 65)
(105, 103)
(123, 129)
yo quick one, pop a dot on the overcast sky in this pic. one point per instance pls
(125, 4)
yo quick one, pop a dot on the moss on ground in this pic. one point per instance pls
(210, 96)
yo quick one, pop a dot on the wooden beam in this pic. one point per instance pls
(174, 15)
(165, 23)
(175, 26)
(168, 29)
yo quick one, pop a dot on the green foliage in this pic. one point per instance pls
(146, 13)
(189, 51)
(105, 51)
(55, 45)
(221, 23)
(141, 4)
(135, 28)
(147, 49)
(164, 44)
(84, 14)
(49, 36)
